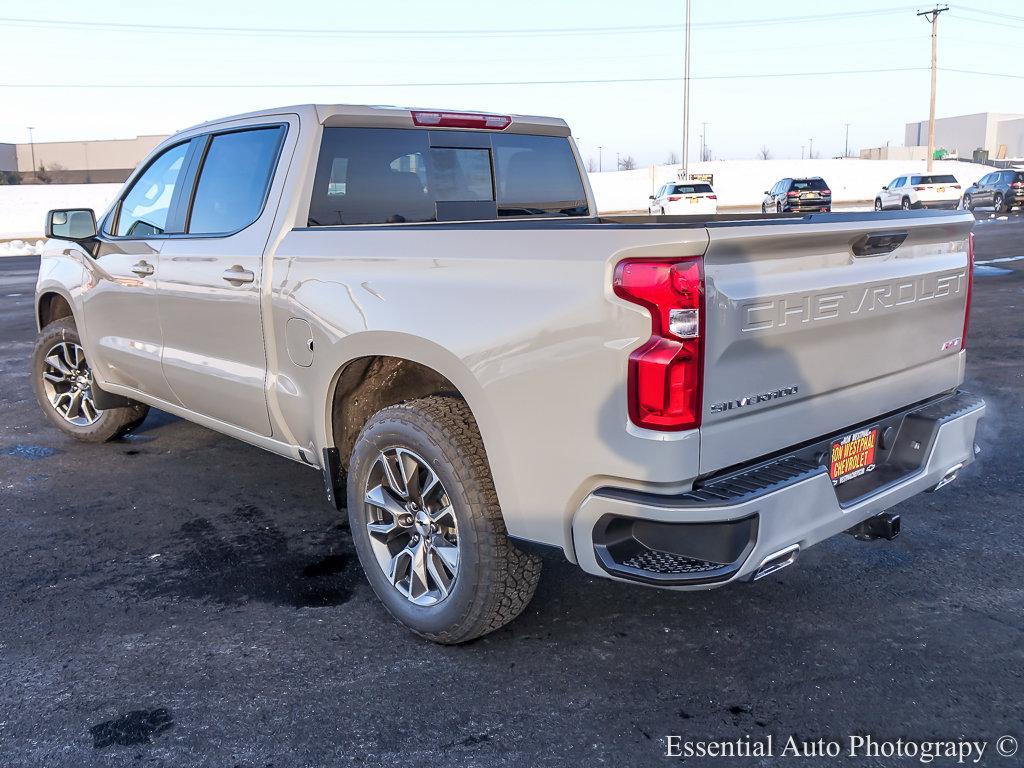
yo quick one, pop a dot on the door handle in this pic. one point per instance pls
(142, 268)
(237, 276)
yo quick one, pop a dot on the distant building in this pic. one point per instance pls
(1001, 134)
(76, 162)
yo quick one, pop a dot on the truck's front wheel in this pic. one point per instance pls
(427, 525)
(64, 387)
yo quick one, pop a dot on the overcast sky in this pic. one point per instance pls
(413, 53)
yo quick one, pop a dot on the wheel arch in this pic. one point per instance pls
(52, 305)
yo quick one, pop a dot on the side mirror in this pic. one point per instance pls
(650, 197)
(71, 224)
(767, 192)
(885, 189)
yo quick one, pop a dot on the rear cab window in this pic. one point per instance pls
(398, 175)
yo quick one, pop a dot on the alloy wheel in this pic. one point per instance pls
(67, 382)
(413, 531)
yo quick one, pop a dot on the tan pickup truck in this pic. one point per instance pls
(425, 307)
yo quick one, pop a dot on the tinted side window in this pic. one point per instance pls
(144, 209)
(234, 180)
(537, 175)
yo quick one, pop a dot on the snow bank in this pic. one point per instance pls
(23, 207)
(742, 182)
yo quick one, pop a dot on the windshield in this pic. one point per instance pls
(690, 189)
(813, 184)
(935, 179)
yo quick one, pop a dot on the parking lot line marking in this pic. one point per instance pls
(1000, 261)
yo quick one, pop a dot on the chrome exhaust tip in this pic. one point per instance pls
(949, 477)
(777, 561)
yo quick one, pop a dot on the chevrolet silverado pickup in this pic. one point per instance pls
(425, 307)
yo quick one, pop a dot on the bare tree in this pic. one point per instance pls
(627, 163)
(672, 159)
(764, 153)
(591, 165)
(43, 174)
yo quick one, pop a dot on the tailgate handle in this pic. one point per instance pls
(878, 243)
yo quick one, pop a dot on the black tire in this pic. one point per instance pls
(778, 207)
(110, 424)
(878, 204)
(495, 580)
(763, 209)
(997, 203)
(905, 205)
(968, 203)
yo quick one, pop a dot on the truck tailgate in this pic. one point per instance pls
(804, 337)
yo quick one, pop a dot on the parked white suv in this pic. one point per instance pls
(936, 190)
(682, 198)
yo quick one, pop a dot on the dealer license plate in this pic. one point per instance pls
(941, 189)
(693, 199)
(853, 455)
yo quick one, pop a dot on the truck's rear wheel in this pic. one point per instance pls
(64, 387)
(427, 525)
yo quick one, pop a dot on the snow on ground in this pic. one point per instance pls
(743, 182)
(23, 207)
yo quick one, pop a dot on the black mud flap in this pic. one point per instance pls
(332, 478)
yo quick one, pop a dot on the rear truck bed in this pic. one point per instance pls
(829, 355)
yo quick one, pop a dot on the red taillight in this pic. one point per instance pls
(920, 189)
(673, 198)
(666, 372)
(792, 194)
(712, 197)
(1015, 185)
(970, 280)
(461, 120)
(826, 192)
(957, 186)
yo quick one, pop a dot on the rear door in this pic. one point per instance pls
(212, 275)
(813, 327)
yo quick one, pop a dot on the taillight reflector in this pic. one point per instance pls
(920, 189)
(712, 197)
(665, 378)
(673, 198)
(957, 186)
(792, 194)
(826, 192)
(970, 281)
(461, 120)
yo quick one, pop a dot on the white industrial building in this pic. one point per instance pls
(1001, 134)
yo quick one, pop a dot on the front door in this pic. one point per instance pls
(120, 305)
(211, 277)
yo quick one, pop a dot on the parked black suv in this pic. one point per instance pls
(810, 194)
(1002, 190)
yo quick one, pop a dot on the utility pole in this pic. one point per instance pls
(686, 99)
(704, 141)
(933, 17)
(802, 151)
(846, 152)
(600, 163)
(810, 149)
(32, 149)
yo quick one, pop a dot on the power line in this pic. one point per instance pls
(430, 33)
(509, 82)
(459, 84)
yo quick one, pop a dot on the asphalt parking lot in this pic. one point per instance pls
(180, 598)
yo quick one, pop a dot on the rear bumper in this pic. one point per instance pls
(727, 528)
(947, 205)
